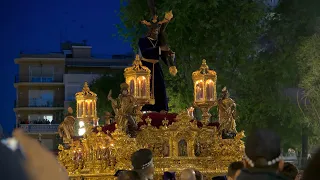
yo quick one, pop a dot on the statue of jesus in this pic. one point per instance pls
(153, 47)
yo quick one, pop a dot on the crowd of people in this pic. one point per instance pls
(262, 160)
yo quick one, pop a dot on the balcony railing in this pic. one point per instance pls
(26, 102)
(57, 78)
(40, 128)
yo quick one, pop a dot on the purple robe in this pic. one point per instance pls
(152, 51)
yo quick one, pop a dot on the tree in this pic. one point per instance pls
(309, 71)
(248, 45)
(221, 31)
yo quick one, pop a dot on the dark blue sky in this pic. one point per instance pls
(36, 26)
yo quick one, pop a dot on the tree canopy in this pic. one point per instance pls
(247, 43)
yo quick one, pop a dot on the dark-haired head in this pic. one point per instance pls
(142, 162)
(263, 150)
(234, 169)
(169, 175)
(289, 170)
(128, 175)
(313, 167)
(199, 175)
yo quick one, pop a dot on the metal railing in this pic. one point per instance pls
(27, 102)
(39, 78)
(39, 128)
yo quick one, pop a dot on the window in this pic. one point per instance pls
(71, 91)
(41, 98)
(41, 73)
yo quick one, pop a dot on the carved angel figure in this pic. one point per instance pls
(123, 108)
(66, 128)
(227, 113)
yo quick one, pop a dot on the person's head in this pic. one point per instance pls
(225, 92)
(169, 176)
(312, 169)
(128, 175)
(154, 31)
(188, 174)
(263, 150)
(142, 162)
(199, 176)
(234, 170)
(289, 170)
(124, 89)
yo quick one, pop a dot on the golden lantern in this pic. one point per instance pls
(86, 105)
(205, 94)
(138, 78)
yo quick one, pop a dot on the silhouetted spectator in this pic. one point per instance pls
(188, 174)
(234, 170)
(262, 158)
(128, 175)
(169, 176)
(312, 170)
(199, 175)
(11, 166)
(142, 162)
(290, 171)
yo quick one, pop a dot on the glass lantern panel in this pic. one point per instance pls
(89, 108)
(131, 85)
(199, 90)
(142, 86)
(80, 109)
(210, 90)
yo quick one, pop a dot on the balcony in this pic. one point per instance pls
(56, 79)
(43, 104)
(40, 128)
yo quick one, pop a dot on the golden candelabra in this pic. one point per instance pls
(176, 146)
(138, 78)
(205, 96)
(87, 107)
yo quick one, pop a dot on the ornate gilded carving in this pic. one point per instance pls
(227, 113)
(66, 128)
(124, 107)
(175, 147)
(185, 143)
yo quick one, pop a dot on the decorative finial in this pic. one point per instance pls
(165, 122)
(148, 121)
(204, 67)
(137, 62)
(204, 61)
(86, 87)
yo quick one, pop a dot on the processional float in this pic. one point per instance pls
(177, 141)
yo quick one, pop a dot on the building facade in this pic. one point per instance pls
(40, 94)
(82, 67)
(46, 84)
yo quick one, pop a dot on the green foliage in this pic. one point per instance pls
(225, 33)
(309, 61)
(101, 86)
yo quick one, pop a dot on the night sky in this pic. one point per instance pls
(38, 26)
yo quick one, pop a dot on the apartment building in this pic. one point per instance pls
(46, 84)
(40, 95)
(81, 66)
